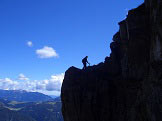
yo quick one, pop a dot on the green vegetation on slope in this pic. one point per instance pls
(30, 111)
(8, 115)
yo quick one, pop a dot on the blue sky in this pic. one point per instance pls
(40, 38)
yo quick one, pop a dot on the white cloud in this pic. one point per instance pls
(23, 77)
(47, 86)
(8, 84)
(29, 43)
(54, 83)
(46, 52)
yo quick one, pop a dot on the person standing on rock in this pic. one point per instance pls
(85, 61)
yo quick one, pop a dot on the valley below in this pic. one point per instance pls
(24, 110)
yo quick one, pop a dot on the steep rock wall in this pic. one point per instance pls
(128, 85)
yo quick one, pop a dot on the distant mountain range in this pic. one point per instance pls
(53, 96)
(26, 110)
(57, 99)
(23, 96)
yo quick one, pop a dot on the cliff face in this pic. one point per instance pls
(128, 85)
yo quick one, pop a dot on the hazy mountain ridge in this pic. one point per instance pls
(23, 96)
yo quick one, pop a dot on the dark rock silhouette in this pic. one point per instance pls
(128, 85)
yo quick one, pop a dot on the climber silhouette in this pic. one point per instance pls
(85, 61)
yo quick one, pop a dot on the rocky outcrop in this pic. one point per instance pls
(128, 85)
